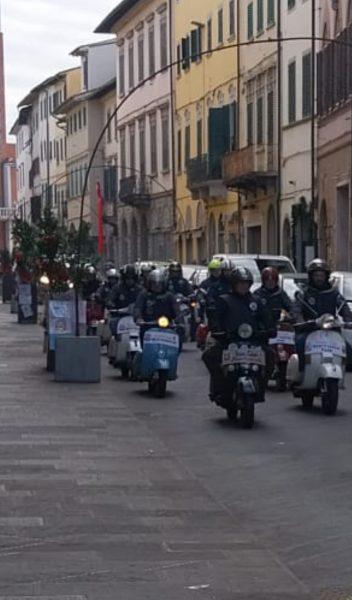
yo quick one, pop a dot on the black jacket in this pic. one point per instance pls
(274, 300)
(233, 310)
(150, 306)
(122, 296)
(179, 286)
(322, 301)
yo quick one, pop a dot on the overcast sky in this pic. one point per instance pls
(39, 35)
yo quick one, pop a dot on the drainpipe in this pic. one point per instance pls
(279, 128)
(313, 204)
(238, 118)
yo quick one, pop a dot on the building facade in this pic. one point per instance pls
(206, 115)
(335, 134)
(145, 211)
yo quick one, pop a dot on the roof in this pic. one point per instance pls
(49, 81)
(116, 14)
(82, 49)
(22, 119)
(96, 93)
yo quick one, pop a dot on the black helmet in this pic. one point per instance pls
(241, 274)
(175, 269)
(226, 268)
(156, 281)
(129, 272)
(318, 265)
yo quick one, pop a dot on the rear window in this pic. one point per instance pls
(282, 265)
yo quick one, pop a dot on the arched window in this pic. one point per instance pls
(271, 231)
(221, 234)
(286, 238)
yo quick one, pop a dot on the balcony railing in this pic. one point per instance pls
(250, 168)
(201, 170)
(6, 213)
(135, 191)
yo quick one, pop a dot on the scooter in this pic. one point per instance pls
(324, 369)
(95, 317)
(243, 368)
(125, 343)
(157, 362)
(283, 346)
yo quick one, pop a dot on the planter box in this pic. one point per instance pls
(77, 359)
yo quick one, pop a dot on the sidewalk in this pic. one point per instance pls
(94, 506)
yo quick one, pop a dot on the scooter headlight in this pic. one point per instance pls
(245, 331)
(163, 322)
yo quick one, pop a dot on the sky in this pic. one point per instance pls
(39, 36)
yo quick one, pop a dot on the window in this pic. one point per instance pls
(260, 133)
(51, 150)
(233, 126)
(232, 18)
(75, 122)
(220, 25)
(306, 85)
(122, 72)
(41, 151)
(187, 144)
(108, 131)
(61, 149)
(165, 139)
(179, 151)
(250, 27)
(271, 12)
(292, 92)
(249, 123)
(270, 118)
(85, 72)
(196, 44)
(141, 58)
(123, 152)
(186, 52)
(131, 65)
(163, 43)
(179, 59)
(260, 16)
(199, 137)
(84, 117)
(151, 45)
(141, 126)
(79, 119)
(209, 34)
(132, 149)
(153, 145)
(291, 4)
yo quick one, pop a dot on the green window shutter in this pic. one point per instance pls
(260, 133)
(219, 138)
(186, 51)
(249, 123)
(271, 12)
(270, 118)
(250, 27)
(260, 16)
(233, 126)
(199, 138)
(306, 85)
(196, 44)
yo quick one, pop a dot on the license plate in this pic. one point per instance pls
(250, 355)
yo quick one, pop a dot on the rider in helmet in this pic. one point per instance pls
(146, 269)
(176, 283)
(235, 310)
(125, 293)
(271, 295)
(318, 299)
(91, 282)
(214, 274)
(111, 279)
(155, 301)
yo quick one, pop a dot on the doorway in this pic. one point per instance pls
(254, 239)
(342, 227)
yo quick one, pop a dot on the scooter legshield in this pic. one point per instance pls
(160, 353)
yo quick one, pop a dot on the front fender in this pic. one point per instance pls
(331, 371)
(247, 385)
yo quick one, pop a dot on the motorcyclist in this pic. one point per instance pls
(126, 292)
(154, 302)
(91, 283)
(111, 279)
(214, 274)
(239, 315)
(176, 283)
(146, 269)
(319, 298)
(272, 296)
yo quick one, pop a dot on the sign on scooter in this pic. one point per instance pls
(284, 338)
(126, 324)
(251, 355)
(322, 342)
(163, 337)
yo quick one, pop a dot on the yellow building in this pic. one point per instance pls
(205, 103)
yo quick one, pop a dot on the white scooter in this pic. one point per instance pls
(324, 369)
(125, 343)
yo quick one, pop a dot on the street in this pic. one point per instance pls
(108, 494)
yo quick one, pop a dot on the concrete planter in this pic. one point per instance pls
(78, 359)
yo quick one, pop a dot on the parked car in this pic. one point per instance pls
(257, 262)
(342, 280)
(292, 283)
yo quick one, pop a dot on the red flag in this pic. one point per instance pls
(100, 220)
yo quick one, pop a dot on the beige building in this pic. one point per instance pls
(335, 135)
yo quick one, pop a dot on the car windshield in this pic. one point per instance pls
(347, 288)
(282, 265)
(188, 271)
(248, 263)
(291, 286)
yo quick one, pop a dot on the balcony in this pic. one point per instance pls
(6, 213)
(135, 191)
(204, 177)
(250, 169)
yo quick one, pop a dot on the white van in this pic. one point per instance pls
(257, 262)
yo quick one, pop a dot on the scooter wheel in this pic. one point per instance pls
(160, 385)
(232, 413)
(307, 400)
(281, 384)
(330, 397)
(125, 372)
(247, 417)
